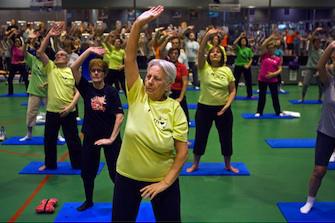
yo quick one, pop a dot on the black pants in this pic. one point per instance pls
(117, 78)
(238, 70)
(69, 126)
(21, 68)
(262, 96)
(204, 117)
(175, 94)
(127, 199)
(194, 70)
(91, 160)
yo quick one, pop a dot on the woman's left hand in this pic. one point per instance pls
(103, 142)
(221, 111)
(152, 190)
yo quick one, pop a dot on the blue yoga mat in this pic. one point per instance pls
(215, 169)
(192, 124)
(306, 102)
(268, 92)
(100, 212)
(125, 106)
(265, 116)
(192, 89)
(191, 143)
(64, 168)
(80, 122)
(321, 212)
(14, 95)
(244, 98)
(35, 140)
(192, 106)
(26, 104)
(331, 166)
(291, 143)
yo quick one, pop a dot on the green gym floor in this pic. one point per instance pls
(276, 174)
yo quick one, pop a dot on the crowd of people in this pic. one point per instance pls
(67, 63)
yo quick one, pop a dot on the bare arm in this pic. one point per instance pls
(54, 31)
(323, 73)
(131, 67)
(76, 65)
(183, 90)
(202, 48)
(70, 107)
(231, 97)
(152, 190)
(116, 130)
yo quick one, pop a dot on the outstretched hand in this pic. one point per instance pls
(101, 142)
(56, 29)
(150, 15)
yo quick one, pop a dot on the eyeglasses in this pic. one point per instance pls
(96, 70)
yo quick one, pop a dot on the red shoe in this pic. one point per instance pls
(41, 207)
(51, 205)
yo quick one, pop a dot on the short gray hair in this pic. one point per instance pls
(169, 69)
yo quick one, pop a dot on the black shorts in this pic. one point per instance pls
(290, 46)
(323, 149)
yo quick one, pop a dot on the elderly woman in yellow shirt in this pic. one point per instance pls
(154, 146)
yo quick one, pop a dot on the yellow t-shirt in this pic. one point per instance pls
(61, 87)
(214, 85)
(114, 58)
(148, 151)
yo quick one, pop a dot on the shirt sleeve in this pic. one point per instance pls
(136, 92)
(82, 86)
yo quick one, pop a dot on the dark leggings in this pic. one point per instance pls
(127, 199)
(69, 126)
(262, 96)
(175, 94)
(91, 160)
(204, 117)
(238, 70)
(21, 68)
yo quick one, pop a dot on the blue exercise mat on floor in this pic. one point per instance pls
(268, 92)
(64, 168)
(192, 124)
(192, 106)
(331, 166)
(14, 95)
(306, 102)
(291, 143)
(215, 169)
(100, 212)
(192, 89)
(79, 122)
(125, 106)
(191, 143)
(245, 98)
(321, 212)
(265, 116)
(35, 140)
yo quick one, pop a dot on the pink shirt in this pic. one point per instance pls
(269, 63)
(17, 55)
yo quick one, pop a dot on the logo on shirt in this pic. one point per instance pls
(161, 123)
(98, 103)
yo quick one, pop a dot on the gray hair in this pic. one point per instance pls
(168, 68)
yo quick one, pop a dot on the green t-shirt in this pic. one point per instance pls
(214, 85)
(61, 87)
(38, 81)
(243, 55)
(148, 151)
(113, 57)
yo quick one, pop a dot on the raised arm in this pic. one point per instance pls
(76, 65)
(323, 73)
(131, 67)
(54, 31)
(202, 48)
(238, 38)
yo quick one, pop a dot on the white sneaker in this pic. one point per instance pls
(61, 138)
(78, 118)
(332, 158)
(2, 133)
(257, 115)
(241, 84)
(25, 138)
(300, 84)
(281, 114)
(196, 88)
(257, 90)
(282, 90)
